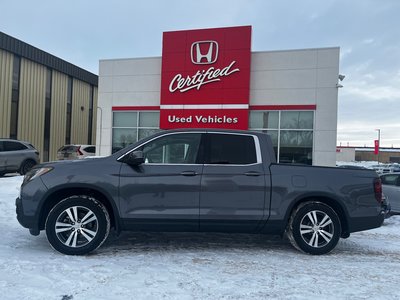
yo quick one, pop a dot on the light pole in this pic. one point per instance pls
(379, 142)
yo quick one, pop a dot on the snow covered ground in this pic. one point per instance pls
(195, 266)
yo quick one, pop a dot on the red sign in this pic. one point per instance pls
(205, 78)
(205, 118)
(376, 150)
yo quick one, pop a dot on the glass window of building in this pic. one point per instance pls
(129, 127)
(15, 97)
(264, 119)
(291, 133)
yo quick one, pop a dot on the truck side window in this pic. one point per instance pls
(173, 149)
(231, 149)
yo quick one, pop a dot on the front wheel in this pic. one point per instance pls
(314, 228)
(77, 225)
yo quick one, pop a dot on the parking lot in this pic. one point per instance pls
(195, 266)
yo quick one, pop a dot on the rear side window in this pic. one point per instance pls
(231, 149)
(390, 179)
(90, 149)
(68, 149)
(13, 146)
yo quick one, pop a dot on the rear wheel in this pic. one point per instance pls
(314, 228)
(77, 225)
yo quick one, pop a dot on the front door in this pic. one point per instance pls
(163, 193)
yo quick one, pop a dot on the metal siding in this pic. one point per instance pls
(32, 104)
(80, 98)
(6, 64)
(13, 45)
(58, 113)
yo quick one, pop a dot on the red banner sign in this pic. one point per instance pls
(205, 78)
(376, 150)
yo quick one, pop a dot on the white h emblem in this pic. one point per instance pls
(211, 55)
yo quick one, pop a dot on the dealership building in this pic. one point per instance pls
(210, 78)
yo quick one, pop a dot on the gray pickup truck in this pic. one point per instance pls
(197, 180)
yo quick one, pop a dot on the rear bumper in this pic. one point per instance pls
(366, 223)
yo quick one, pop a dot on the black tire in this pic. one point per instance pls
(314, 228)
(77, 225)
(26, 166)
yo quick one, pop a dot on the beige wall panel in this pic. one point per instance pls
(94, 125)
(80, 118)
(58, 113)
(32, 103)
(6, 64)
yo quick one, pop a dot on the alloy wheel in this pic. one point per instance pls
(317, 228)
(76, 226)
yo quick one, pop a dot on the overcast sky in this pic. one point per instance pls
(367, 32)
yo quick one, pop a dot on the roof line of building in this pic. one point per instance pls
(20, 48)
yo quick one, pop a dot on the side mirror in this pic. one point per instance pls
(134, 158)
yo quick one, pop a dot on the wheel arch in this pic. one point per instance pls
(56, 196)
(328, 200)
(28, 159)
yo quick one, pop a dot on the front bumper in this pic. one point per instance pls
(28, 204)
(26, 221)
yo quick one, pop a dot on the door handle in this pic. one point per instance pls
(252, 173)
(189, 173)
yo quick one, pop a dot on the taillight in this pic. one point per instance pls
(378, 190)
(78, 151)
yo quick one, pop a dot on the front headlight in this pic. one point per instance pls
(36, 172)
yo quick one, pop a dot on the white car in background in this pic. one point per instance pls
(75, 152)
(382, 168)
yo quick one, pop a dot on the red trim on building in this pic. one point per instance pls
(283, 107)
(122, 108)
(252, 107)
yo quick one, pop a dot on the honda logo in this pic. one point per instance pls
(204, 52)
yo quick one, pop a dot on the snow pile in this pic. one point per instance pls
(365, 164)
(195, 266)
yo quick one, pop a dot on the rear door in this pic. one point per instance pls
(13, 154)
(233, 185)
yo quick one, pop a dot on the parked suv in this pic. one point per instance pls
(76, 151)
(17, 156)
